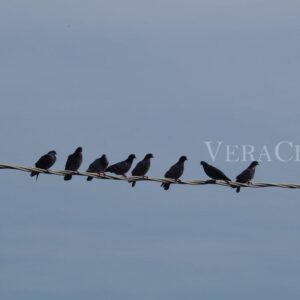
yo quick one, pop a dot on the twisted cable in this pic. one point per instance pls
(154, 179)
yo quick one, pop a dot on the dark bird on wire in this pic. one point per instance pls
(213, 172)
(97, 166)
(73, 162)
(122, 167)
(142, 167)
(45, 162)
(247, 175)
(175, 172)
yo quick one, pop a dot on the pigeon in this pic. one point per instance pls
(247, 175)
(213, 172)
(174, 172)
(45, 162)
(122, 167)
(97, 166)
(73, 162)
(142, 167)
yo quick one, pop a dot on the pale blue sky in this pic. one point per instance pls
(118, 77)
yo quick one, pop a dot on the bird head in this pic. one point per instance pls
(203, 163)
(131, 157)
(148, 156)
(254, 164)
(52, 152)
(182, 158)
(78, 150)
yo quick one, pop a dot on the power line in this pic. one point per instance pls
(154, 179)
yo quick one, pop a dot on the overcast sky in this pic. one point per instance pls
(160, 76)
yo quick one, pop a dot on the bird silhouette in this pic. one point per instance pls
(73, 162)
(175, 172)
(142, 167)
(45, 162)
(213, 172)
(97, 166)
(247, 175)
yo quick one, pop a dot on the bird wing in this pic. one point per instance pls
(73, 162)
(138, 169)
(94, 166)
(218, 174)
(211, 171)
(69, 162)
(45, 162)
(244, 176)
(141, 168)
(118, 168)
(175, 171)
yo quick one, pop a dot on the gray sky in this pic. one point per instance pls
(118, 77)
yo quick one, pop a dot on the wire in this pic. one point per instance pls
(154, 179)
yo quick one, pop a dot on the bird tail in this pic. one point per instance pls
(238, 189)
(165, 185)
(68, 177)
(35, 174)
(133, 183)
(90, 178)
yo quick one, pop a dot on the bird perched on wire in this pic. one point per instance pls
(213, 172)
(141, 168)
(45, 162)
(175, 172)
(122, 167)
(97, 166)
(247, 175)
(73, 162)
